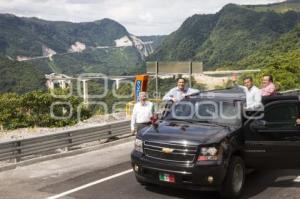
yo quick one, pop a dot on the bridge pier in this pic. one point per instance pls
(85, 92)
(117, 82)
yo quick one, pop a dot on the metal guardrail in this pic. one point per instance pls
(31, 147)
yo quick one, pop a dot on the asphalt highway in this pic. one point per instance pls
(107, 174)
(259, 184)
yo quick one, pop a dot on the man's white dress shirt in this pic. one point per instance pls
(141, 113)
(253, 97)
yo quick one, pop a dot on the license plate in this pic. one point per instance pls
(167, 177)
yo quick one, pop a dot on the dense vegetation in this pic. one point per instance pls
(34, 109)
(19, 77)
(182, 44)
(281, 59)
(226, 37)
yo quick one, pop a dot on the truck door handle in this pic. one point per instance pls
(293, 138)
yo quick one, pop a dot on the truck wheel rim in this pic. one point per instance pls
(238, 176)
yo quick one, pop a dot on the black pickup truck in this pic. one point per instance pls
(207, 142)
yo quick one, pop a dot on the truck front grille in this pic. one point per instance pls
(170, 152)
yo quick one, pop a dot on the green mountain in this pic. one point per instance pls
(26, 36)
(19, 77)
(183, 43)
(44, 47)
(32, 40)
(226, 37)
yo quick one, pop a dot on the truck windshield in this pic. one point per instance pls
(206, 111)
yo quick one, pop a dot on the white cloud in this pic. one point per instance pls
(141, 17)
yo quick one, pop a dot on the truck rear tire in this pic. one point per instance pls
(234, 181)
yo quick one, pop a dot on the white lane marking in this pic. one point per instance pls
(89, 184)
(297, 179)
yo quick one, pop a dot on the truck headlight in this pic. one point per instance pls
(209, 153)
(138, 145)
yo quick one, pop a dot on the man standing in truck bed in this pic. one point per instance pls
(179, 92)
(268, 87)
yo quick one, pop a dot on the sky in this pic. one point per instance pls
(140, 17)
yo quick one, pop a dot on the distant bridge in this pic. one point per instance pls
(230, 72)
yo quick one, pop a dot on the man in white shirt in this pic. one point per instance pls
(253, 94)
(142, 112)
(179, 92)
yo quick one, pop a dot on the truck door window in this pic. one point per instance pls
(282, 115)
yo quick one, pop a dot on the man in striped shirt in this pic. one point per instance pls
(268, 87)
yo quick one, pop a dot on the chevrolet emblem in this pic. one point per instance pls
(167, 150)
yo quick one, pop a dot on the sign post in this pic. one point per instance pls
(141, 82)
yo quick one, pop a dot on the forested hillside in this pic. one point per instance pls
(226, 37)
(19, 77)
